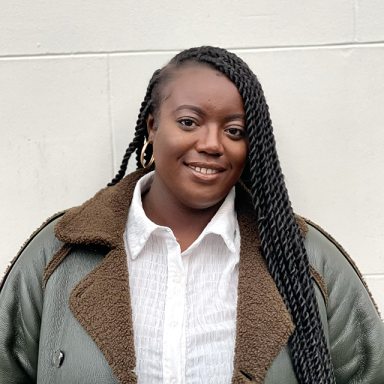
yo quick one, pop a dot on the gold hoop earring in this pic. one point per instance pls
(143, 153)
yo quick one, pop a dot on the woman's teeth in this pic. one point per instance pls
(204, 170)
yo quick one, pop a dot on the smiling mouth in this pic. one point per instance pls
(206, 171)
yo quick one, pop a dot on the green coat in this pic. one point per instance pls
(65, 311)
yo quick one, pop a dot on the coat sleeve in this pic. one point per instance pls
(356, 331)
(21, 305)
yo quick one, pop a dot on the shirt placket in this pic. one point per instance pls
(174, 328)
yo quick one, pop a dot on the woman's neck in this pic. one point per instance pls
(165, 210)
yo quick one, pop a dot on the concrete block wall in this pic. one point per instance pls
(73, 75)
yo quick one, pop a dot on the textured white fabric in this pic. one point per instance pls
(183, 304)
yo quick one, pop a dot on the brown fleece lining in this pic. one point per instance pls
(263, 323)
(320, 282)
(100, 220)
(101, 303)
(46, 222)
(59, 256)
(342, 250)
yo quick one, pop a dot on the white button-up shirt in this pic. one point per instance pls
(183, 304)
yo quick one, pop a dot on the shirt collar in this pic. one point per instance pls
(139, 227)
(223, 223)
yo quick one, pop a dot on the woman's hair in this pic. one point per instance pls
(282, 243)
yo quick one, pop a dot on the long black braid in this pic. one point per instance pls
(282, 243)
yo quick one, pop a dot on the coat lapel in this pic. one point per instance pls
(101, 304)
(263, 324)
(101, 301)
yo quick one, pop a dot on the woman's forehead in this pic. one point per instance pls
(201, 84)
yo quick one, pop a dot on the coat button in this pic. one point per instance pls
(58, 358)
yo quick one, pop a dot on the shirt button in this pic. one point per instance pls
(174, 324)
(177, 279)
(173, 380)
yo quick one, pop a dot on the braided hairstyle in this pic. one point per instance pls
(282, 243)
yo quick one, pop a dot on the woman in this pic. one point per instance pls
(184, 275)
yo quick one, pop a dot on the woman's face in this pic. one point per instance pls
(199, 141)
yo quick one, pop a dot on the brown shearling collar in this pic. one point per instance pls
(101, 301)
(101, 219)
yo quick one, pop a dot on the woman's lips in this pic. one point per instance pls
(205, 174)
(206, 171)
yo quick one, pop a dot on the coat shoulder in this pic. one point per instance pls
(356, 331)
(324, 251)
(42, 238)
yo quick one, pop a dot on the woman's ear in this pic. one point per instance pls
(151, 127)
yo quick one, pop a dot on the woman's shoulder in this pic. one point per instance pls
(354, 324)
(327, 256)
(330, 259)
(37, 249)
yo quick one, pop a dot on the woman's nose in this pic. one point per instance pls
(210, 141)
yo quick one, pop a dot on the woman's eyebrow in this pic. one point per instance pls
(235, 116)
(191, 107)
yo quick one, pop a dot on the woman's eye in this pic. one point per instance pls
(236, 132)
(187, 122)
